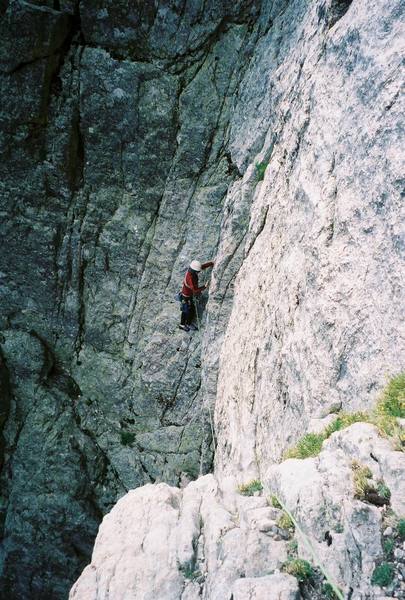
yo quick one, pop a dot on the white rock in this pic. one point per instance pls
(272, 587)
(319, 492)
(158, 540)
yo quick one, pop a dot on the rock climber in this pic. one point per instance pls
(188, 292)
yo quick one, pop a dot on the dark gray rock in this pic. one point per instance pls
(113, 129)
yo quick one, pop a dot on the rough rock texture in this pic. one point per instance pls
(208, 541)
(129, 137)
(164, 543)
(345, 533)
(113, 176)
(317, 318)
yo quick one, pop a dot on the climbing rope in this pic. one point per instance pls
(208, 404)
(337, 591)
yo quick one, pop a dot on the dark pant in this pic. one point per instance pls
(187, 311)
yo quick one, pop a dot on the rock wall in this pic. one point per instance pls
(129, 137)
(114, 126)
(209, 541)
(317, 319)
(304, 318)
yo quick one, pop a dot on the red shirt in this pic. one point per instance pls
(190, 282)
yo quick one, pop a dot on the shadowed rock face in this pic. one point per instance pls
(129, 137)
(114, 123)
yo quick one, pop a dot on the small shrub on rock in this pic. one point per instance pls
(383, 575)
(389, 407)
(366, 489)
(189, 572)
(127, 438)
(299, 568)
(388, 547)
(383, 490)
(309, 445)
(362, 477)
(248, 489)
(328, 592)
(285, 522)
(273, 500)
(401, 529)
(260, 170)
(292, 548)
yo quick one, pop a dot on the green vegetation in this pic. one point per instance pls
(384, 416)
(301, 569)
(392, 402)
(127, 438)
(383, 575)
(248, 489)
(190, 572)
(364, 484)
(292, 548)
(361, 479)
(401, 529)
(383, 490)
(328, 591)
(260, 170)
(291, 563)
(344, 420)
(285, 522)
(309, 445)
(390, 406)
(274, 502)
(388, 547)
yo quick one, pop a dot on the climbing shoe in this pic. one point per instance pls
(193, 327)
(184, 327)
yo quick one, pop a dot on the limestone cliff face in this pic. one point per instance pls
(130, 136)
(317, 318)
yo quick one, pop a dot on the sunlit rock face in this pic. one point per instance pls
(130, 136)
(317, 317)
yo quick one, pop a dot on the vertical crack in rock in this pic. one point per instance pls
(119, 176)
(131, 136)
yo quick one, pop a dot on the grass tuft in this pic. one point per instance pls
(260, 170)
(362, 479)
(383, 575)
(309, 445)
(401, 529)
(392, 402)
(383, 490)
(189, 572)
(248, 489)
(344, 420)
(388, 547)
(389, 407)
(127, 438)
(285, 522)
(274, 502)
(299, 568)
(292, 549)
(328, 592)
